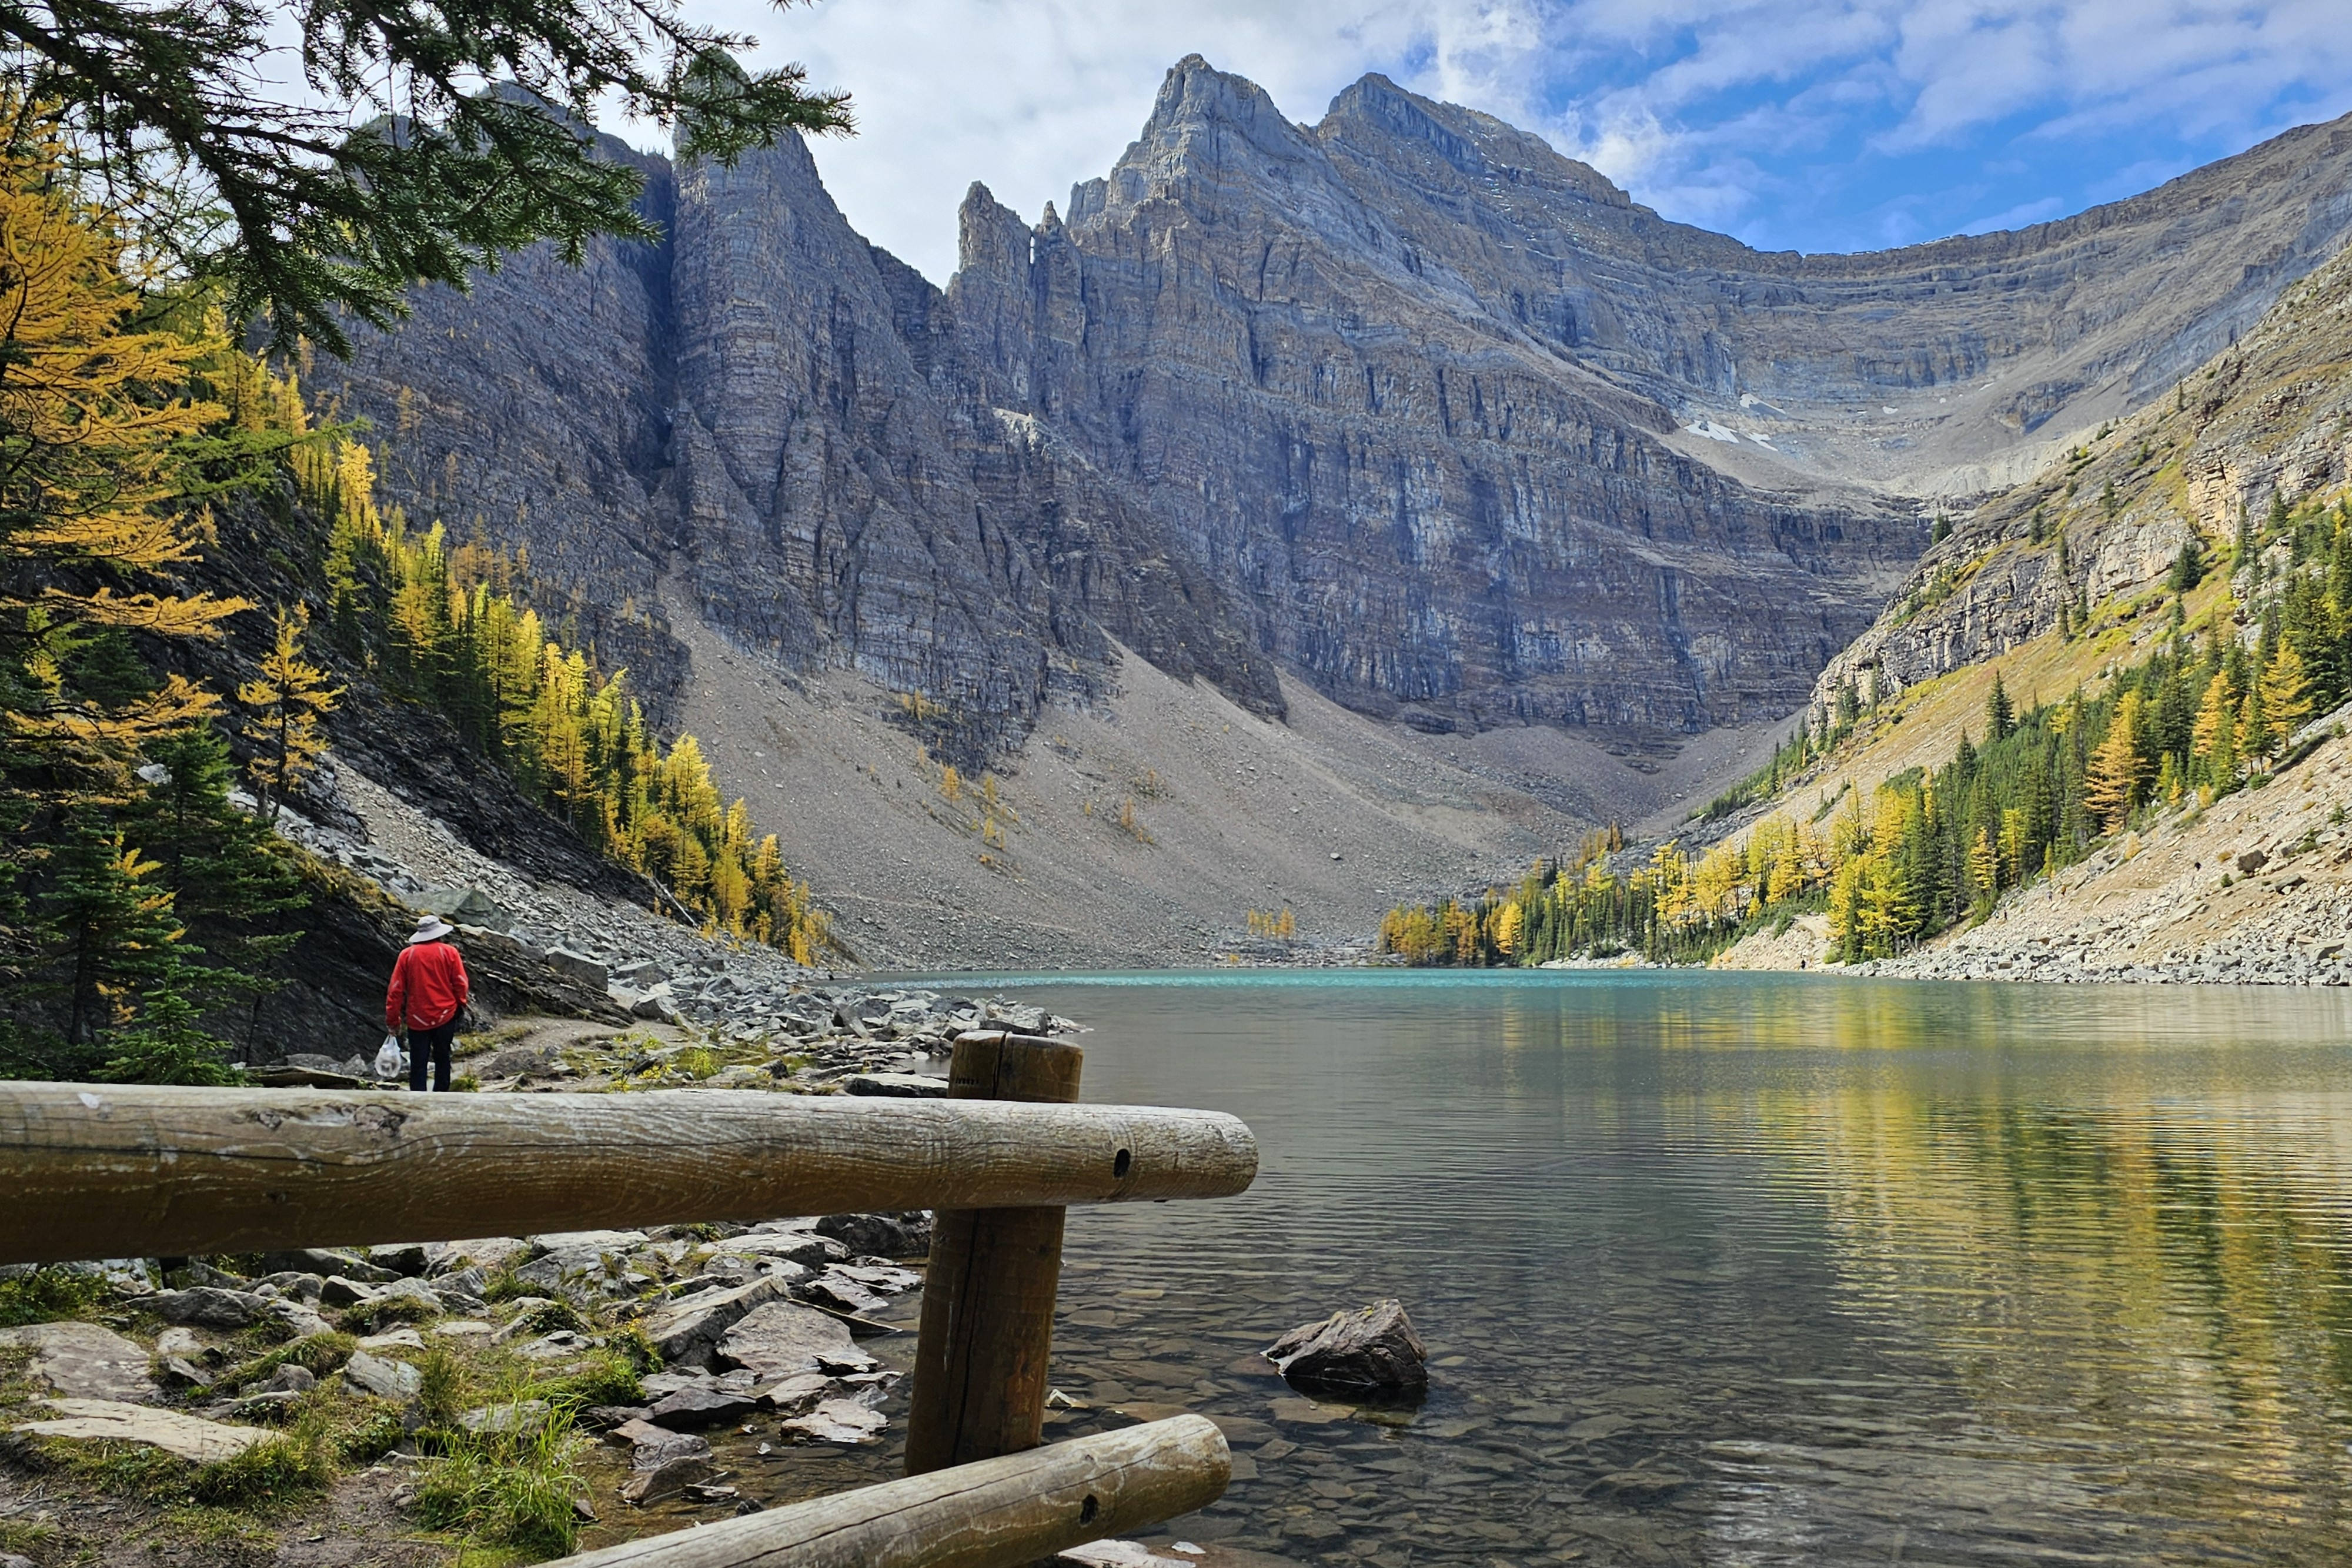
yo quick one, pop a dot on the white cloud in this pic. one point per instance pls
(1691, 104)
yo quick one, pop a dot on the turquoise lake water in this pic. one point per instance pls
(1744, 1269)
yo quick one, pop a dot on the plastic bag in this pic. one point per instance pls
(387, 1057)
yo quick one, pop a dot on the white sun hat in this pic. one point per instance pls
(430, 929)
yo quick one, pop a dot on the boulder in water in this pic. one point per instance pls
(1370, 1351)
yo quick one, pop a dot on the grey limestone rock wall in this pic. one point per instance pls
(1391, 403)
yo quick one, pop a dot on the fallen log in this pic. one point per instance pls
(993, 1514)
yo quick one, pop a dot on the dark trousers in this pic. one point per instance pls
(434, 1043)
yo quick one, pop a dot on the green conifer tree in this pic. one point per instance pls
(2001, 717)
(228, 874)
(109, 929)
(2187, 567)
(167, 1045)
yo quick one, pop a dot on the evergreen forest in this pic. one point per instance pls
(2215, 706)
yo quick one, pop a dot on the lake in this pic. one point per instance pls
(1723, 1269)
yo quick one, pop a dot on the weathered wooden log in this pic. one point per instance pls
(988, 1296)
(113, 1171)
(994, 1514)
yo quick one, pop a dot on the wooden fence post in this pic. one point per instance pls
(987, 1302)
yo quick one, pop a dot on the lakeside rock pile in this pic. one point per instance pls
(752, 1326)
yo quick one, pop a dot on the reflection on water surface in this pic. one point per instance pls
(1728, 1270)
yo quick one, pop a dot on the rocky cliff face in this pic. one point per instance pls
(1404, 402)
(2271, 416)
(769, 424)
(1429, 510)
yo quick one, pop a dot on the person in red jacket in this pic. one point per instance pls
(429, 987)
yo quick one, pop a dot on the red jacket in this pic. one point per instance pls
(428, 986)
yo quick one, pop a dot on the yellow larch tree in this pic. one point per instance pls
(2286, 687)
(2111, 786)
(95, 479)
(284, 704)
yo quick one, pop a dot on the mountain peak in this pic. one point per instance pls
(1196, 92)
(1373, 114)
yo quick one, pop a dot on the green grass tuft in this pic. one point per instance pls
(440, 1398)
(46, 1295)
(508, 1490)
(273, 1471)
(503, 1286)
(556, 1314)
(318, 1355)
(375, 1317)
(365, 1444)
(611, 1379)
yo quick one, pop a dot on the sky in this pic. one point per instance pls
(1815, 125)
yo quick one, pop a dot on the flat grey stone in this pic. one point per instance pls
(895, 1085)
(188, 1438)
(690, 1330)
(695, 1410)
(837, 1421)
(833, 1288)
(797, 1394)
(783, 1338)
(510, 1416)
(326, 1262)
(290, 1378)
(180, 1372)
(556, 1345)
(86, 1361)
(385, 1378)
(805, 1248)
(415, 1290)
(340, 1290)
(300, 1321)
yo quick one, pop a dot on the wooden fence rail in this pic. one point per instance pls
(994, 1513)
(117, 1171)
(122, 1171)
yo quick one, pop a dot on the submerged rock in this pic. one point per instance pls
(668, 1479)
(1373, 1350)
(837, 1421)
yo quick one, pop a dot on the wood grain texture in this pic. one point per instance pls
(994, 1514)
(117, 1171)
(988, 1296)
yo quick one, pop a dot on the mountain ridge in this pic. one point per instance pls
(1404, 407)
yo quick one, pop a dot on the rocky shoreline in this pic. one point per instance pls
(637, 1381)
